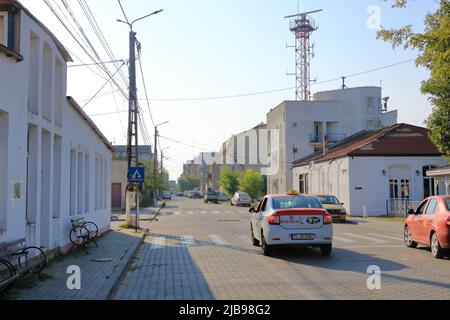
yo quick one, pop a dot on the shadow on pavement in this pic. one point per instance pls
(168, 273)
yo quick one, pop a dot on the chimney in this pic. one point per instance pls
(325, 144)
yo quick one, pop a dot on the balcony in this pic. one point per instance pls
(332, 138)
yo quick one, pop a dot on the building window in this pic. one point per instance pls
(4, 28)
(393, 186)
(428, 182)
(304, 184)
(405, 189)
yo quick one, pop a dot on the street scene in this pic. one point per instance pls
(168, 152)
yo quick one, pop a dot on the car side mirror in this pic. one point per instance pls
(411, 212)
(252, 210)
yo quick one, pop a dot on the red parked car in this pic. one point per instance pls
(430, 225)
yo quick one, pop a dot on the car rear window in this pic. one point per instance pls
(447, 203)
(296, 202)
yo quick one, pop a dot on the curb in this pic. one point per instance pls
(112, 293)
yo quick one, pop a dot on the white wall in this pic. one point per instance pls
(367, 173)
(340, 112)
(32, 95)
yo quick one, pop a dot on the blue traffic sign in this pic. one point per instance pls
(136, 175)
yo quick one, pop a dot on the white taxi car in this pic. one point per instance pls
(291, 220)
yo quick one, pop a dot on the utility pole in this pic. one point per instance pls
(155, 168)
(155, 165)
(133, 110)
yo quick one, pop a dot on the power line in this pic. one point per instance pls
(143, 81)
(276, 90)
(184, 144)
(94, 64)
(110, 79)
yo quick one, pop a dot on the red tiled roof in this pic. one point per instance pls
(400, 140)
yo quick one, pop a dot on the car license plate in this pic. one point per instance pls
(302, 236)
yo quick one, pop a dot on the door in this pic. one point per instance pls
(259, 217)
(116, 194)
(416, 226)
(426, 221)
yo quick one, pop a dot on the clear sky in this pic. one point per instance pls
(210, 48)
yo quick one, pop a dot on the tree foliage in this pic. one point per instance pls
(229, 180)
(252, 183)
(162, 178)
(188, 183)
(434, 54)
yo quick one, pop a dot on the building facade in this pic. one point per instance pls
(372, 173)
(306, 126)
(56, 163)
(441, 178)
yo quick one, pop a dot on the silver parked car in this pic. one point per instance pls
(241, 199)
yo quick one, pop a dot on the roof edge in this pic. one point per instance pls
(83, 114)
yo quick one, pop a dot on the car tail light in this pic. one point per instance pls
(274, 220)
(448, 222)
(327, 219)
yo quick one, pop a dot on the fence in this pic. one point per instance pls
(400, 207)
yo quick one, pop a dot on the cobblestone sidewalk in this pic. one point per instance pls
(100, 269)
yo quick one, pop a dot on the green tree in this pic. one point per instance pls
(162, 178)
(187, 183)
(252, 183)
(229, 180)
(434, 54)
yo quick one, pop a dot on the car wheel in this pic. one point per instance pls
(266, 249)
(408, 238)
(326, 249)
(436, 248)
(255, 241)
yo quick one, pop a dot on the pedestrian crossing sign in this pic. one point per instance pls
(136, 175)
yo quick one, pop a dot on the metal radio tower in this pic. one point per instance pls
(302, 25)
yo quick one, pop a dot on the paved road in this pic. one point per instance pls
(199, 251)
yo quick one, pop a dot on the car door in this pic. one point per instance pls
(260, 216)
(416, 228)
(254, 218)
(426, 221)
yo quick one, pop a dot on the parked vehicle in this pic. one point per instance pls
(334, 207)
(241, 199)
(291, 220)
(180, 194)
(223, 197)
(429, 225)
(196, 195)
(167, 195)
(211, 196)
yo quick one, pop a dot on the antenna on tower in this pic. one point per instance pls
(302, 26)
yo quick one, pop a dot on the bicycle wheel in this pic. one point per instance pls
(92, 228)
(79, 236)
(34, 259)
(6, 271)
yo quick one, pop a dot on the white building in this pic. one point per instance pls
(371, 171)
(303, 125)
(55, 163)
(441, 177)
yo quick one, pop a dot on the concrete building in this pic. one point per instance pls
(372, 172)
(440, 180)
(304, 126)
(55, 163)
(119, 173)
(144, 152)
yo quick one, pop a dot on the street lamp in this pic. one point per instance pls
(155, 164)
(130, 24)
